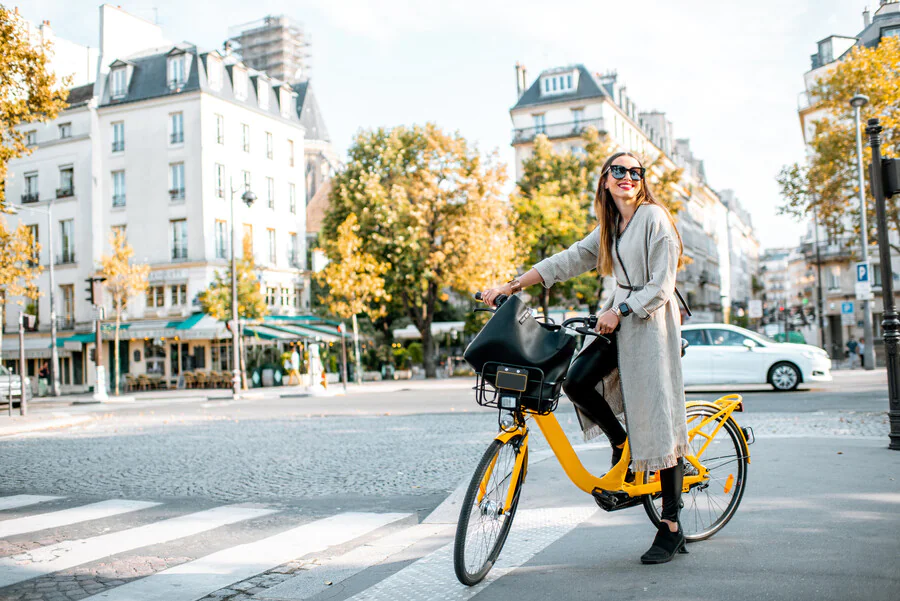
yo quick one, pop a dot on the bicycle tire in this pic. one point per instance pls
(483, 557)
(696, 529)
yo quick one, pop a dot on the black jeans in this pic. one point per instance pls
(591, 366)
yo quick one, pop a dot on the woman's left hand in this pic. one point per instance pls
(607, 322)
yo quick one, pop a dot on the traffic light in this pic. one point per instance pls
(90, 290)
(890, 172)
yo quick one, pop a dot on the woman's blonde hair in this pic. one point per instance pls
(607, 213)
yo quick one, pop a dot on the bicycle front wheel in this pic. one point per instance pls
(483, 524)
(709, 504)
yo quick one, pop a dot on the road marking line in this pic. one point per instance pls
(198, 578)
(432, 577)
(65, 517)
(16, 501)
(338, 569)
(68, 554)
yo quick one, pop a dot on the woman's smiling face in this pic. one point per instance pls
(624, 189)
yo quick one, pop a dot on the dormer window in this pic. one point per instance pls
(119, 82)
(214, 72)
(262, 90)
(177, 71)
(284, 101)
(559, 83)
(240, 84)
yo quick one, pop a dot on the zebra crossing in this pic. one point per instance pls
(287, 561)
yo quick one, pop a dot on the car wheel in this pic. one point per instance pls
(784, 376)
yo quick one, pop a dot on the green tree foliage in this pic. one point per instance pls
(28, 90)
(829, 180)
(19, 267)
(428, 205)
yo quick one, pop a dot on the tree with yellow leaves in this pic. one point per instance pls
(124, 280)
(428, 206)
(19, 267)
(28, 90)
(828, 182)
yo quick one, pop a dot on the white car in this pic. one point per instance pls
(724, 354)
(11, 386)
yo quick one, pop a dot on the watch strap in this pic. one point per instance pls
(515, 285)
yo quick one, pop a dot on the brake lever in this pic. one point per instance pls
(586, 332)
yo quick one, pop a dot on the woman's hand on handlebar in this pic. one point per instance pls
(489, 295)
(607, 322)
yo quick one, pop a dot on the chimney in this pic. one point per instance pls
(867, 20)
(228, 45)
(518, 80)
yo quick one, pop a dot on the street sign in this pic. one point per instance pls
(847, 307)
(847, 316)
(863, 281)
(862, 271)
(755, 308)
(864, 291)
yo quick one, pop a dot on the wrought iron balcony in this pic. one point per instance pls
(65, 323)
(179, 253)
(118, 146)
(118, 200)
(67, 257)
(176, 194)
(65, 192)
(177, 137)
(30, 197)
(555, 131)
(295, 259)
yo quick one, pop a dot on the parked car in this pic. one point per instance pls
(11, 385)
(724, 354)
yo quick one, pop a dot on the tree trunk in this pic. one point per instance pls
(428, 353)
(116, 350)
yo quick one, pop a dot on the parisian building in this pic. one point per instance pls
(156, 142)
(563, 102)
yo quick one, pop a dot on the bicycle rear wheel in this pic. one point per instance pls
(483, 525)
(709, 504)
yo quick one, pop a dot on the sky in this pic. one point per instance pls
(727, 73)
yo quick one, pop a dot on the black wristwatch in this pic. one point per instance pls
(623, 310)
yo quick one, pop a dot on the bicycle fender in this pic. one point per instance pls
(716, 408)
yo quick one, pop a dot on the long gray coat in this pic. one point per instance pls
(647, 388)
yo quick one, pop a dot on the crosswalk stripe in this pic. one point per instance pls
(16, 501)
(195, 579)
(66, 517)
(432, 576)
(339, 569)
(65, 555)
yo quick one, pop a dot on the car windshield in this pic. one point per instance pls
(3, 371)
(765, 338)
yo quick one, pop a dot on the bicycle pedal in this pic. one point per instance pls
(614, 501)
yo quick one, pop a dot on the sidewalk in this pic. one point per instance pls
(818, 521)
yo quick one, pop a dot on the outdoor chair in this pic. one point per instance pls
(131, 383)
(143, 382)
(189, 379)
(201, 379)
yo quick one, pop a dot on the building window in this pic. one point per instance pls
(179, 239)
(66, 182)
(68, 304)
(67, 241)
(31, 188)
(156, 296)
(118, 230)
(890, 31)
(272, 251)
(65, 130)
(118, 180)
(118, 136)
(270, 194)
(248, 236)
(285, 297)
(291, 153)
(557, 84)
(221, 234)
(295, 251)
(245, 131)
(270, 151)
(262, 88)
(539, 123)
(214, 72)
(34, 230)
(177, 74)
(298, 296)
(177, 128)
(220, 180)
(577, 117)
(176, 182)
(834, 278)
(179, 295)
(118, 83)
(271, 295)
(292, 198)
(240, 84)
(247, 180)
(220, 129)
(31, 137)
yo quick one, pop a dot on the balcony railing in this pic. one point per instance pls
(176, 194)
(177, 137)
(30, 197)
(176, 83)
(65, 323)
(179, 253)
(118, 146)
(572, 129)
(65, 192)
(118, 200)
(67, 257)
(295, 259)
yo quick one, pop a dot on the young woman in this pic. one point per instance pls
(639, 373)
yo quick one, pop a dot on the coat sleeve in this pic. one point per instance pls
(607, 305)
(579, 258)
(662, 259)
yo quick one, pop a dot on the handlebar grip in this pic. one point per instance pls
(501, 298)
(478, 296)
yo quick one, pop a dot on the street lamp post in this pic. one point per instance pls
(249, 198)
(857, 102)
(54, 353)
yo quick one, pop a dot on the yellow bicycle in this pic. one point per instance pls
(715, 473)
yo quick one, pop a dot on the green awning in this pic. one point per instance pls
(76, 338)
(186, 324)
(266, 333)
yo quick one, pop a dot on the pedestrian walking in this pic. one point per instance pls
(852, 353)
(861, 350)
(638, 373)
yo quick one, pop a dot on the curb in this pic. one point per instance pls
(59, 422)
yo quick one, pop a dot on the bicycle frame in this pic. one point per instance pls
(614, 480)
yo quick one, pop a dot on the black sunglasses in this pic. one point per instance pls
(619, 171)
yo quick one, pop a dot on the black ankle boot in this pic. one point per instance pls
(665, 545)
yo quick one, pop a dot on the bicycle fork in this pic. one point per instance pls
(520, 467)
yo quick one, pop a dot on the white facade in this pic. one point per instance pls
(162, 166)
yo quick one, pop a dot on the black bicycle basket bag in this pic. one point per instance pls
(515, 338)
